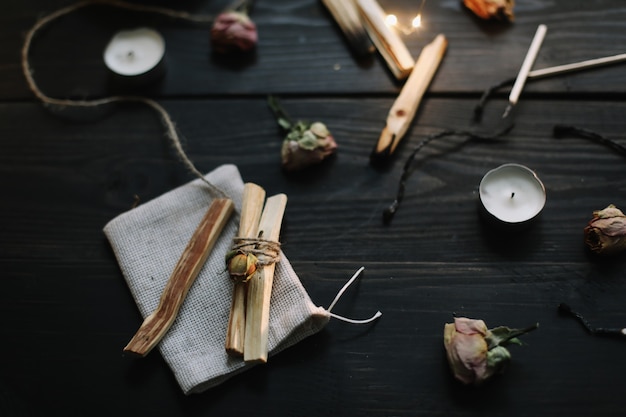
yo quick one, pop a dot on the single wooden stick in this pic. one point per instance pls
(185, 272)
(404, 108)
(260, 286)
(251, 207)
(389, 44)
(348, 18)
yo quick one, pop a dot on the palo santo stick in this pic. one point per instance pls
(185, 272)
(404, 108)
(260, 286)
(348, 18)
(251, 207)
(388, 42)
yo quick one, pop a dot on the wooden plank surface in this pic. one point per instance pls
(64, 175)
(302, 51)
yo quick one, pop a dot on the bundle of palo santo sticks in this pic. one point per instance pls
(251, 265)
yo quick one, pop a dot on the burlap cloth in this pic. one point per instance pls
(148, 241)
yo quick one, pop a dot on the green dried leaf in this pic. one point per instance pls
(503, 335)
(308, 141)
(284, 123)
(497, 359)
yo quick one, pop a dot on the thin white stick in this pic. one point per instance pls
(577, 66)
(533, 51)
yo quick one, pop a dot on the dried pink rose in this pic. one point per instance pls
(491, 9)
(233, 31)
(305, 144)
(606, 232)
(476, 353)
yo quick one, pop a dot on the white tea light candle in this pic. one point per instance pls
(135, 52)
(512, 193)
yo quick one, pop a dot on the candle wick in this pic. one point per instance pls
(130, 54)
(512, 195)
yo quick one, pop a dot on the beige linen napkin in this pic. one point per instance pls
(148, 241)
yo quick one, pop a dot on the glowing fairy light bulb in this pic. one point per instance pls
(391, 20)
(417, 21)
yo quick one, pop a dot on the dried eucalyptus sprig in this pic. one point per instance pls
(305, 144)
(606, 232)
(476, 353)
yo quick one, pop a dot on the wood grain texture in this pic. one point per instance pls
(260, 286)
(65, 174)
(251, 209)
(191, 261)
(302, 51)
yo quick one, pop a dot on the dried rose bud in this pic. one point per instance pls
(306, 145)
(233, 31)
(606, 232)
(491, 9)
(241, 266)
(475, 353)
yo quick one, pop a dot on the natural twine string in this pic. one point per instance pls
(170, 127)
(266, 251)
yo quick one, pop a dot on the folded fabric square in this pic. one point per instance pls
(148, 241)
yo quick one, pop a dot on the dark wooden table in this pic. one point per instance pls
(66, 311)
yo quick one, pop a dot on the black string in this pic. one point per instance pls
(597, 331)
(478, 110)
(390, 211)
(561, 131)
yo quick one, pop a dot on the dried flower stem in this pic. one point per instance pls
(281, 116)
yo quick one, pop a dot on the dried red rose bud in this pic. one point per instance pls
(306, 145)
(491, 9)
(606, 232)
(475, 353)
(233, 31)
(241, 266)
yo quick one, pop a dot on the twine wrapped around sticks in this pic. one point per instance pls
(266, 251)
(169, 125)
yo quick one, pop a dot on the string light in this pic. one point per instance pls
(416, 23)
(391, 20)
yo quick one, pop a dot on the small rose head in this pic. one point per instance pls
(466, 349)
(233, 31)
(474, 352)
(241, 266)
(606, 232)
(306, 145)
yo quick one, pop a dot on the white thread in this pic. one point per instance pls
(338, 296)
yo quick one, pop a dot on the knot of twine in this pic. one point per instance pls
(266, 251)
